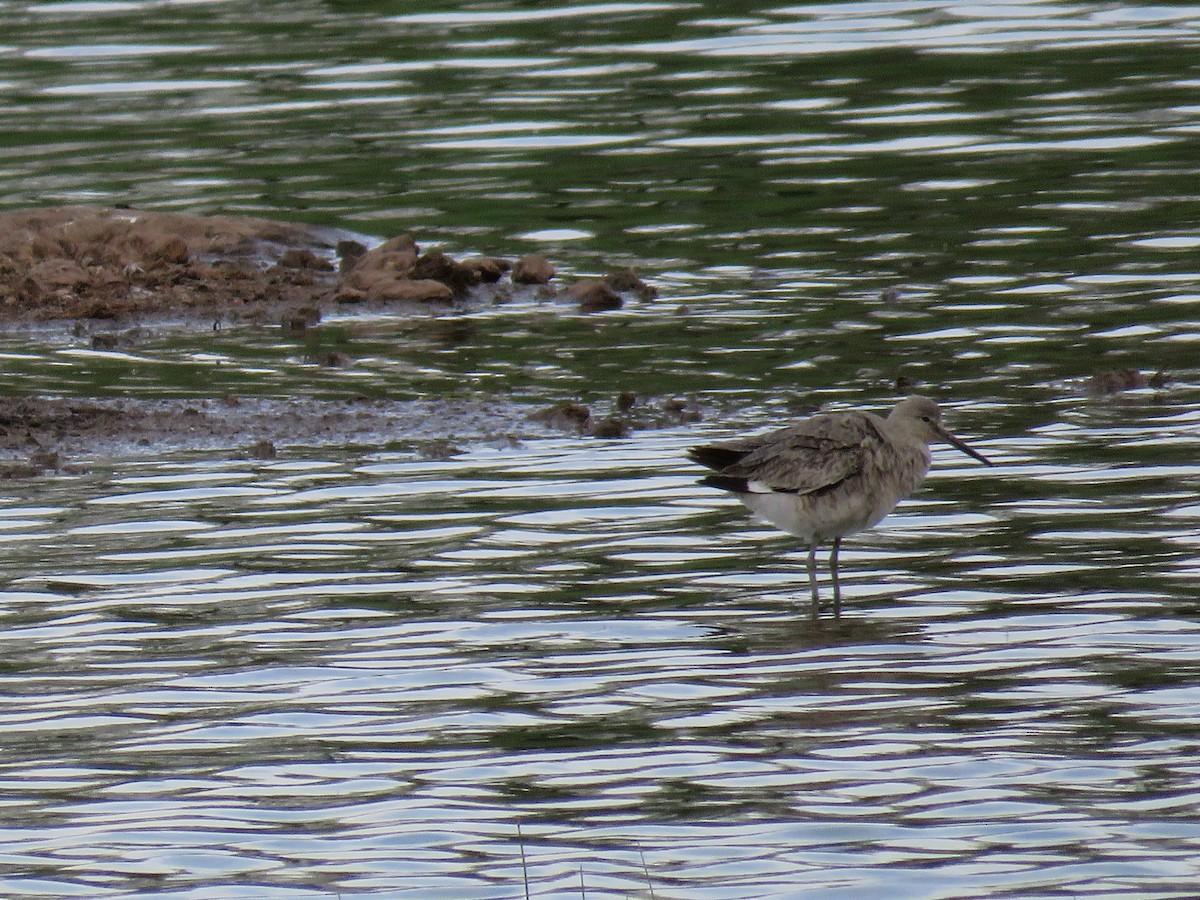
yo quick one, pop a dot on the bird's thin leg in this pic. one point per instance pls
(837, 588)
(812, 580)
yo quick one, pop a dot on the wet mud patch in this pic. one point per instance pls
(114, 273)
(58, 434)
(79, 262)
(53, 433)
(82, 262)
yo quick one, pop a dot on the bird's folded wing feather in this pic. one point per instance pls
(813, 456)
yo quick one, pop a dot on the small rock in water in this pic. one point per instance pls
(303, 258)
(1115, 381)
(349, 253)
(417, 290)
(440, 449)
(610, 427)
(890, 294)
(626, 400)
(401, 243)
(263, 449)
(487, 269)
(681, 411)
(594, 295)
(301, 319)
(532, 269)
(334, 359)
(565, 416)
(627, 281)
(437, 266)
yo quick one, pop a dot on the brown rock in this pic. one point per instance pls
(103, 309)
(390, 262)
(611, 427)
(263, 449)
(532, 269)
(334, 359)
(300, 319)
(626, 400)
(681, 411)
(303, 258)
(1114, 381)
(487, 269)
(437, 266)
(565, 416)
(346, 294)
(594, 295)
(402, 243)
(627, 281)
(349, 253)
(420, 290)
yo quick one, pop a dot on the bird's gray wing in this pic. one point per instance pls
(814, 456)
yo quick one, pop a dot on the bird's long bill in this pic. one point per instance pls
(963, 446)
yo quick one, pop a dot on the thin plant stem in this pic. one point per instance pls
(524, 867)
(646, 869)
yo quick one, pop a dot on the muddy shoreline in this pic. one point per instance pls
(108, 274)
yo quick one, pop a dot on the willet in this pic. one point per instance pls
(830, 475)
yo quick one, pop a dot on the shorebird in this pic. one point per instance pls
(830, 475)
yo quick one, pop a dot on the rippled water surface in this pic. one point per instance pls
(555, 664)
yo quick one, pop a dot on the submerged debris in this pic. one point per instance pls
(629, 412)
(1114, 381)
(565, 416)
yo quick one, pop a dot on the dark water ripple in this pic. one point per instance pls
(366, 685)
(352, 671)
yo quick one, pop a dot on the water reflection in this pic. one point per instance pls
(632, 661)
(354, 670)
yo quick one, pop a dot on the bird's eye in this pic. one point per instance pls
(925, 419)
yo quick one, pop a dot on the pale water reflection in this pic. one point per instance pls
(360, 676)
(355, 670)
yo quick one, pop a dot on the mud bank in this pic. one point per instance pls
(55, 433)
(82, 262)
(46, 435)
(111, 270)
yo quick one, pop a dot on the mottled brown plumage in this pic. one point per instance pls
(830, 475)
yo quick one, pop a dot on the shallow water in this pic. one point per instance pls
(355, 671)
